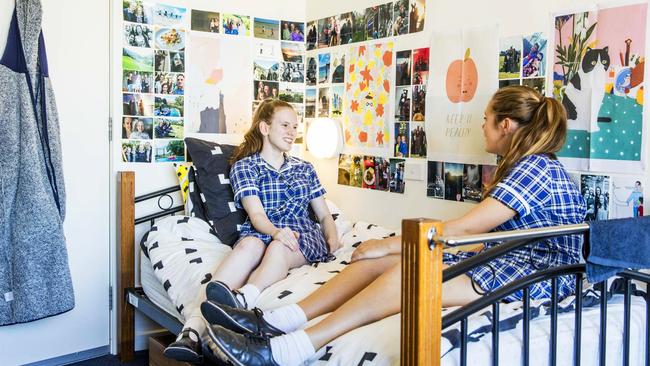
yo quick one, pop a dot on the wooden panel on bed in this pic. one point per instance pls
(126, 263)
(421, 294)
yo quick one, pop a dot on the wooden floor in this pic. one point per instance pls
(141, 359)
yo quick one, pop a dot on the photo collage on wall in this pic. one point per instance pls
(522, 61)
(610, 197)
(411, 73)
(153, 82)
(371, 172)
(279, 65)
(458, 182)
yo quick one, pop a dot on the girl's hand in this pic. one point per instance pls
(372, 248)
(334, 245)
(287, 237)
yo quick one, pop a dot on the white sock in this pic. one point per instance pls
(292, 349)
(195, 322)
(251, 294)
(287, 318)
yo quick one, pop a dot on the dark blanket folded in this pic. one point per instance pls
(617, 244)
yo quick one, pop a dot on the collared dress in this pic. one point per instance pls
(541, 193)
(285, 196)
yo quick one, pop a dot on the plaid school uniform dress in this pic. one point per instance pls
(285, 196)
(539, 190)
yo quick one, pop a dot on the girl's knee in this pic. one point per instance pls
(277, 248)
(250, 244)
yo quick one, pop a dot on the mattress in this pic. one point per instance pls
(154, 289)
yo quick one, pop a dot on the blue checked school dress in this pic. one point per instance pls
(285, 196)
(539, 190)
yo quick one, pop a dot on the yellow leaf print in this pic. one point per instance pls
(383, 98)
(367, 118)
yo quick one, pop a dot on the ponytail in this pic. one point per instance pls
(542, 126)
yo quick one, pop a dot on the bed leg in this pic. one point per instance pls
(126, 263)
(421, 294)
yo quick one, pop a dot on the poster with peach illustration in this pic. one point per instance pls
(462, 78)
(367, 94)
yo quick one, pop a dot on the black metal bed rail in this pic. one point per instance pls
(164, 211)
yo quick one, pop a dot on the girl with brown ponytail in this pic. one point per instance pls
(530, 189)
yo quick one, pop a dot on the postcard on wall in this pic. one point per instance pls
(626, 198)
(168, 15)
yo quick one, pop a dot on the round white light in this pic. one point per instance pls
(324, 138)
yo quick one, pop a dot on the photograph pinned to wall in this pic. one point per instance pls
(136, 151)
(416, 16)
(324, 68)
(310, 103)
(595, 191)
(219, 99)
(137, 105)
(420, 65)
(400, 18)
(267, 49)
(266, 89)
(312, 35)
(169, 83)
(323, 102)
(356, 171)
(461, 83)
(138, 35)
(338, 67)
(403, 103)
(171, 39)
(598, 76)
(137, 81)
(367, 93)
(435, 179)
(268, 70)
(292, 72)
(168, 61)
(371, 17)
(402, 139)
(292, 93)
(337, 100)
(538, 84)
(472, 182)
(454, 181)
(418, 140)
(169, 106)
(509, 82)
(325, 32)
(345, 162)
(627, 197)
(312, 71)
(166, 151)
(533, 62)
(397, 184)
(205, 21)
(386, 20)
(369, 178)
(266, 28)
(137, 11)
(167, 15)
(137, 59)
(168, 128)
(293, 31)
(382, 173)
(300, 112)
(510, 57)
(346, 28)
(237, 25)
(142, 128)
(487, 175)
(358, 26)
(419, 99)
(293, 52)
(403, 67)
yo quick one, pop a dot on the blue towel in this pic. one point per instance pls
(618, 244)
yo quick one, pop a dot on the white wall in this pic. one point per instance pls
(76, 35)
(513, 18)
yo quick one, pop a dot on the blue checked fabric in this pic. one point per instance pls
(285, 196)
(540, 191)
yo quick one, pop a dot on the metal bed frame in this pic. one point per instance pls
(422, 279)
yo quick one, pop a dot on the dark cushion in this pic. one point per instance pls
(211, 175)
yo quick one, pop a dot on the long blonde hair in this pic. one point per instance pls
(542, 126)
(253, 139)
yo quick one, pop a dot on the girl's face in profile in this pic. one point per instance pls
(283, 129)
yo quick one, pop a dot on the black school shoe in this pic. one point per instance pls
(185, 349)
(220, 293)
(241, 349)
(238, 320)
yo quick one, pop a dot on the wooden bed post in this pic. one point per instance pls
(126, 264)
(421, 294)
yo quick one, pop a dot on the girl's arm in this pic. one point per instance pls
(326, 223)
(263, 225)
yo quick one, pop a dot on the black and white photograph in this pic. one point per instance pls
(595, 191)
(138, 35)
(169, 61)
(292, 72)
